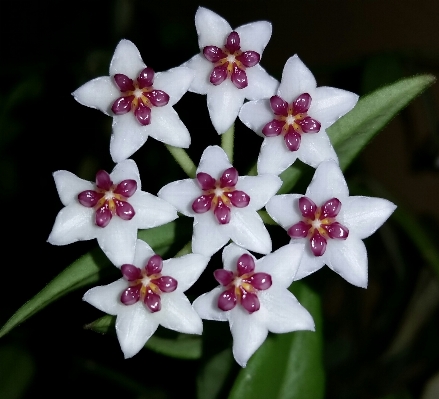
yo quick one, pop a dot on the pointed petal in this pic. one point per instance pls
(99, 93)
(181, 194)
(126, 60)
(284, 209)
(211, 28)
(134, 326)
(186, 269)
(248, 334)
(209, 236)
(73, 223)
(142, 254)
(126, 170)
(348, 258)
(328, 182)
(274, 156)
(231, 254)
(167, 127)
(260, 188)
(174, 82)
(69, 186)
(177, 314)
(206, 305)
(260, 84)
(107, 297)
(316, 148)
(203, 69)
(309, 262)
(214, 162)
(254, 36)
(128, 136)
(296, 79)
(248, 230)
(256, 114)
(364, 215)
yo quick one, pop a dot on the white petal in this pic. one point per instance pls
(107, 297)
(328, 104)
(248, 334)
(126, 60)
(126, 170)
(118, 240)
(256, 114)
(186, 269)
(260, 84)
(282, 264)
(174, 82)
(230, 256)
(206, 305)
(211, 28)
(316, 148)
(214, 162)
(364, 215)
(283, 311)
(69, 186)
(284, 209)
(260, 188)
(177, 314)
(208, 236)
(296, 79)
(142, 254)
(203, 68)
(99, 93)
(181, 194)
(248, 230)
(223, 103)
(328, 182)
(151, 211)
(73, 223)
(128, 136)
(254, 36)
(348, 258)
(134, 326)
(274, 156)
(167, 127)
(309, 262)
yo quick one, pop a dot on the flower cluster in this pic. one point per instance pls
(326, 226)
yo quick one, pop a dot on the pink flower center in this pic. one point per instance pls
(109, 199)
(242, 287)
(147, 284)
(291, 120)
(220, 195)
(138, 96)
(319, 224)
(230, 61)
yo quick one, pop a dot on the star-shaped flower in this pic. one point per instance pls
(111, 210)
(228, 69)
(139, 100)
(223, 205)
(150, 294)
(294, 122)
(332, 223)
(254, 298)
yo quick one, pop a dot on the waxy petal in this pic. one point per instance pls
(284, 209)
(254, 36)
(259, 188)
(208, 236)
(106, 297)
(261, 84)
(316, 148)
(214, 162)
(275, 157)
(69, 186)
(211, 28)
(126, 60)
(206, 305)
(255, 114)
(166, 81)
(181, 194)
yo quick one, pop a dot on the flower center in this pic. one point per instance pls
(230, 61)
(138, 96)
(109, 199)
(220, 195)
(291, 120)
(242, 287)
(319, 224)
(147, 284)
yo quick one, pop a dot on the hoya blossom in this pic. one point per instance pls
(294, 121)
(111, 210)
(139, 100)
(227, 69)
(331, 223)
(162, 283)
(223, 204)
(262, 301)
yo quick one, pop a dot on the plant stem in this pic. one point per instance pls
(227, 142)
(183, 159)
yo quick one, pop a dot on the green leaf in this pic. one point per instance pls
(85, 271)
(183, 346)
(287, 366)
(350, 134)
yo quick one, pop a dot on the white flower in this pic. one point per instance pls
(223, 205)
(333, 222)
(228, 69)
(139, 100)
(294, 122)
(112, 210)
(254, 297)
(149, 295)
